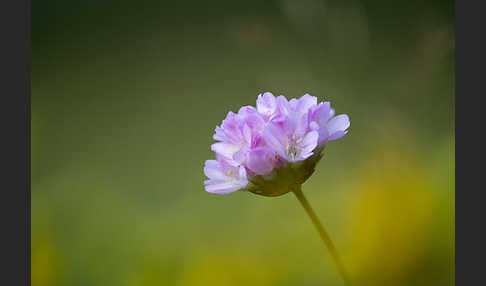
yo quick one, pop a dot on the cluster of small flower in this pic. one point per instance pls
(277, 132)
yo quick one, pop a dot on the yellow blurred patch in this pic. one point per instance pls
(210, 268)
(392, 214)
(46, 266)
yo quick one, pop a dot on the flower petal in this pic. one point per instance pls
(255, 122)
(301, 125)
(331, 112)
(323, 135)
(225, 149)
(275, 139)
(309, 143)
(222, 187)
(261, 160)
(293, 104)
(336, 135)
(247, 110)
(283, 106)
(241, 156)
(213, 170)
(338, 123)
(326, 112)
(266, 104)
(313, 126)
(242, 175)
(246, 134)
(306, 102)
(218, 134)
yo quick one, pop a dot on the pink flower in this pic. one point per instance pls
(260, 142)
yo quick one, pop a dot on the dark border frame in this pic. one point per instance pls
(15, 84)
(470, 61)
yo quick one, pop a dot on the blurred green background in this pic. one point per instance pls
(125, 98)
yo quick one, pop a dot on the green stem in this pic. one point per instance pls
(324, 235)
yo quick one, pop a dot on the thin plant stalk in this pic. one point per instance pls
(323, 233)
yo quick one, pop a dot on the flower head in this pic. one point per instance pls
(267, 149)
